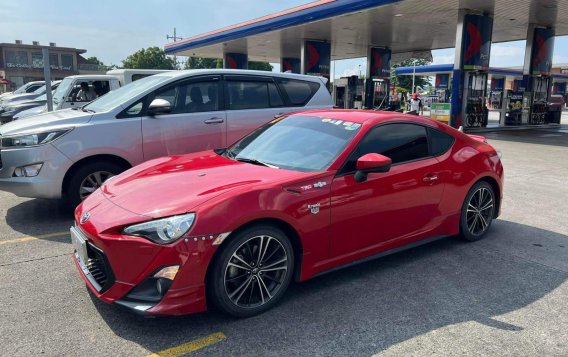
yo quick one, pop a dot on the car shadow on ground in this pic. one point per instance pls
(367, 308)
(39, 217)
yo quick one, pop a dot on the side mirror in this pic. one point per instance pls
(371, 163)
(159, 106)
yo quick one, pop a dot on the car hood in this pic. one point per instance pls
(24, 104)
(47, 121)
(17, 97)
(178, 184)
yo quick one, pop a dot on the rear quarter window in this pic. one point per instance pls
(440, 142)
(298, 92)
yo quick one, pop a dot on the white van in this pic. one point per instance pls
(66, 95)
(126, 76)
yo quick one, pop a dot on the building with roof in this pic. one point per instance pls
(21, 63)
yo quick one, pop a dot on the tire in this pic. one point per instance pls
(241, 287)
(477, 212)
(88, 178)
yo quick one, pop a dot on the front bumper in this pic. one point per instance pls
(47, 184)
(134, 260)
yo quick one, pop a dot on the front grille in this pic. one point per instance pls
(99, 268)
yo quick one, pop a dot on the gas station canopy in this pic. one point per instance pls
(352, 26)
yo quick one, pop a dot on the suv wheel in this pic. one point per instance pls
(87, 179)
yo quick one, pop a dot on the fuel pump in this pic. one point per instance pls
(539, 97)
(476, 113)
(380, 93)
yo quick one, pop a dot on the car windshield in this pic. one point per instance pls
(59, 95)
(299, 143)
(40, 90)
(124, 94)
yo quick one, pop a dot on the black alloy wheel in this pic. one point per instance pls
(255, 269)
(478, 211)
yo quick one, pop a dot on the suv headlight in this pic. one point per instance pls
(162, 231)
(32, 139)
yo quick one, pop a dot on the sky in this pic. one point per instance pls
(112, 30)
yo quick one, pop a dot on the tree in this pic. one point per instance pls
(95, 60)
(149, 58)
(199, 63)
(203, 63)
(405, 81)
(260, 66)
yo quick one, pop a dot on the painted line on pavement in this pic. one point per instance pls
(191, 346)
(31, 238)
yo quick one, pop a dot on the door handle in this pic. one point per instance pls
(214, 121)
(278, 115)
(430, 178)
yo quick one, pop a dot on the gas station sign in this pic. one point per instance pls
(542, 50)
(292, 65)
(497, 84)
(317, 58)
(559, 88)
(236, 60)
(477, 30)
(519, 85)
(380, 59)
(442, 81)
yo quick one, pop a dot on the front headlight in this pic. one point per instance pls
(162, 231)
(32, 139)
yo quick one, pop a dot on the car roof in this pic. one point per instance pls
(92, 76)
(190, 72)
(371, 117)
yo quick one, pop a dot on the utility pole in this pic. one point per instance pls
(174, 38)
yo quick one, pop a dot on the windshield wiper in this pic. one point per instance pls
(87, 110)
(255, 162)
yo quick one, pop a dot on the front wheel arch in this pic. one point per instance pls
(125, 165)
(284, 226)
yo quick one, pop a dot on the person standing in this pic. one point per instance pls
(416, 104)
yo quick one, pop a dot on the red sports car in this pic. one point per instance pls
(297, 197)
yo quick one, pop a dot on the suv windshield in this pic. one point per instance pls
(300, 143)
(124, 94)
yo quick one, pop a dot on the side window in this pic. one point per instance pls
(440, 142)
(252, 95)
(298, 92)
(138, 76)
(134, 110)
(399, 142)
(192, 97)
(101, 87)
(33, 88)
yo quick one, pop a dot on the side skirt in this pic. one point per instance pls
(382, 254)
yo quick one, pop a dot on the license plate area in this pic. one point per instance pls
(80, 245)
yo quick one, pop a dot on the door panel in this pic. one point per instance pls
(401, 203)
(387, 206)
(196, 122)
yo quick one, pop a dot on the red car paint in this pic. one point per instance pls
(355, 220)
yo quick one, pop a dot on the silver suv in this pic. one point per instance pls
(70, 153)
